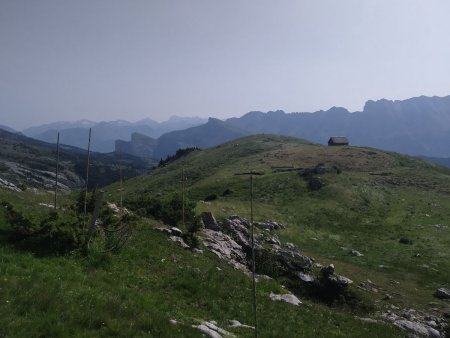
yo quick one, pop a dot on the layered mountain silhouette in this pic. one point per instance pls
(104, 134)
(210, 134)
(416, 126)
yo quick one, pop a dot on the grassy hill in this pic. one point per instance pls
(369, 202)
(378, 199)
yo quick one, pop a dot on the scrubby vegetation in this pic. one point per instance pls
(178, 154)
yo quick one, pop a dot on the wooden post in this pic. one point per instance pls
(182, 196)
(252, 234)
(253, 255)
(87, 180)
(57, 168)
(98, 205)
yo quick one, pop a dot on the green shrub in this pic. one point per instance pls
(169, 209)
(211, 197)
(405, 240)
(56, 233)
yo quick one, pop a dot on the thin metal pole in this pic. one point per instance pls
(182, 195)
(87, 180)
(121, 181)
(57, 168)
(253, 255)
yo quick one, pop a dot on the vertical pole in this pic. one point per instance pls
(87, 180)
(253, 255)
(121, 181)
(57, 168)
(182, 196)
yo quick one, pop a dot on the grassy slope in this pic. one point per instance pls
(136, 292)
(378, 198)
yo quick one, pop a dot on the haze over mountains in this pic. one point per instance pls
(104, 134)
(416, 126)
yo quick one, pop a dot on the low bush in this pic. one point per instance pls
(56, 233)
(211, 197)
(405, 240)
(168, 209)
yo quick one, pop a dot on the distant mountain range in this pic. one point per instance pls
(416, 126)
(212, 133)
(104, 134)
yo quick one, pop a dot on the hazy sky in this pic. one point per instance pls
(131, 59)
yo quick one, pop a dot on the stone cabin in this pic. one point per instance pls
(338, 141)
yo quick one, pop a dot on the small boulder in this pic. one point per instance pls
(442, 293)
(176, 231)
(212, 330)
(288, 298)
(306, 278)
(235, 323)
(356, 253)
(418, 328)
(180, 241)
(291, 246)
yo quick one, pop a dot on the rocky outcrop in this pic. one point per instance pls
(225, 248)
(208, 221)
(140, 145)
(233, 244)
(418, 323)
(269, 225)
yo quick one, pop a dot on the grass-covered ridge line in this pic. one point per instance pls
(376, 199)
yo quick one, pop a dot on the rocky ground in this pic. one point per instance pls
(230, 239)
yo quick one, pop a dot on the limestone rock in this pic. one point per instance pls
(212, 330)
(288, 298)
(176, 231)
(235, 323)
(442, 293)
(306, 278)
(225, 248)
(273, 240)
(180, 241)
(421, 329)
(238, 228)
(291, 246)
(419, 323)
(356, 253)
(269, 225)
(293, 260)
